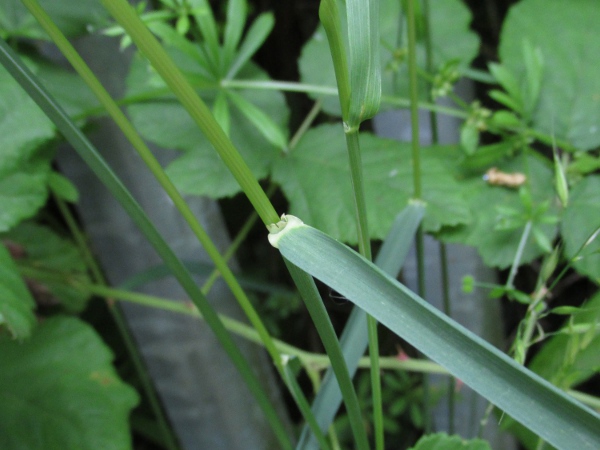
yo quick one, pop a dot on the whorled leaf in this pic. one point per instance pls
(315, 177)
(45, 250)
(499, 213)
(452, 39)
(200, 171)
(567, 35)
(59, 390)
(16, 303)
(581, 219)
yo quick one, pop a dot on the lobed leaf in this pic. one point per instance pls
(581, 219)
(567, 36)
(315, 178)
(60, 390)
(16, 303)
(45, 250)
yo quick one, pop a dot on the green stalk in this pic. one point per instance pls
(319, 315)
(200, 113)
(169, 439)
(97, 164)
(433, 121)
(168, 186)
(416, 159)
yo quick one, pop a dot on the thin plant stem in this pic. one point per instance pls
(200, 113)
(169, 439)
(318, 313)
(166, 183)
(417, 184)
(97, 165)
(433, 121)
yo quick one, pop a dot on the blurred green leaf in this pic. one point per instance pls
(200, 171)
(59, 390)
(567, 35)
(441, 441)
(234, 27)
(16, 303)
(45, 250)
(315, 177)
(73, 18)
(62, 187)
(451, 40)
(580, 220)
(500, 213)
(255, 37)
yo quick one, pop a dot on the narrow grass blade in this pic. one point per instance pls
(318, 314)
(365, 64)
(354, 338)
(529, 399)
(97, 164)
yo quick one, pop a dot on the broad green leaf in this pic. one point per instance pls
(441, 441)
(354, 339)
(200, 171)
(23, 127)
(581, 219)
(73, 18)
(16, 303)
(490, 205)
(45, 250)
(59, 390)
(567, 35)
(531, 400)
(315, 177)
(451, 39)
(23, 190)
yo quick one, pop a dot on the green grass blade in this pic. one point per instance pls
(529, 399)
(97, 164)
(318, 313)
(194, 105)
(354, 338)
(365, 64)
